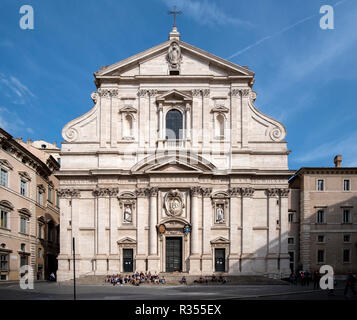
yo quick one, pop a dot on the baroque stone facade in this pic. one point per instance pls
(174, 169)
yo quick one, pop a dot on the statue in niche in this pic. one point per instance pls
(127, 213)
(219, 214)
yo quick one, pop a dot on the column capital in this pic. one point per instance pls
(105, 192)
(206, 92)
(247, 192)
(196, 191)
(196, 92)
(153, 191)
(142, 192)
(206, 192)
(240, 92)
(273, 192)
(108, 92)
(147, 92)
(200, 92)
(234, 192)
(68, 193)
(284, 192)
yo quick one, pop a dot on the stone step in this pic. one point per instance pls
(173, 279)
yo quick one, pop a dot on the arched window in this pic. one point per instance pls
(128, 126)
(174, 124)
(220, 125)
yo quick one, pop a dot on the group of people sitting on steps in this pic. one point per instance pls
(206, 280)
(135, 279)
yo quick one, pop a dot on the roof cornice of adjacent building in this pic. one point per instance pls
(324, 170)
(8, 140)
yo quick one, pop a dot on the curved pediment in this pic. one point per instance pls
(174, 223)
(6, 204)
(25, 212)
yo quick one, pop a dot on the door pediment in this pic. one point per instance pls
(220, 240)
(126, 240)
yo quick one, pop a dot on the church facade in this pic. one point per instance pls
(174, 169)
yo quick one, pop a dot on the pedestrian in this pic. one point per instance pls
(302, 276)
(307, 278)
(52, 277)
(316, 280)
(291, 278)
(350, 284)
(331, 291)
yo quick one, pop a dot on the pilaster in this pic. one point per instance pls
(235, 230)
(141, 220)
(273, 234)
(206, 233)
(195, 243)
(247, 255)
(244, 94)
(283, 234)
(236, 112)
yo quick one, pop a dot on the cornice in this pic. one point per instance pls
(18, 151)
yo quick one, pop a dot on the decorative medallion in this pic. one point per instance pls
(162, 228)
(174, 203)
(187, 228)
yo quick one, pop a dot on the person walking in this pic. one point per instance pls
(316, 279)
(350, 284)
(302, 276)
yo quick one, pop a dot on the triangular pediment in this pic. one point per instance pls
(185, 163)
(153, 61)
(6, 163)
(128, 109)
(220, 240)
(174, 95)
(173, 166)
(126, 240)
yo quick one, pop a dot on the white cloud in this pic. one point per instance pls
(11, 122)
(19, 93)
(205, 12)
(283, 30)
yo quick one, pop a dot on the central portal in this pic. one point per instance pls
(173, 254)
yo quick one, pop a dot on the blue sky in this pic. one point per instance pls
(305, 76)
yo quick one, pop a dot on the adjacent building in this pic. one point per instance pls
(174, 169)
(323, 218)
(29, 224)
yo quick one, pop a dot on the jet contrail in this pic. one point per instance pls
(279, 32)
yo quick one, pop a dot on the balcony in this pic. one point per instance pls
(173, 143)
